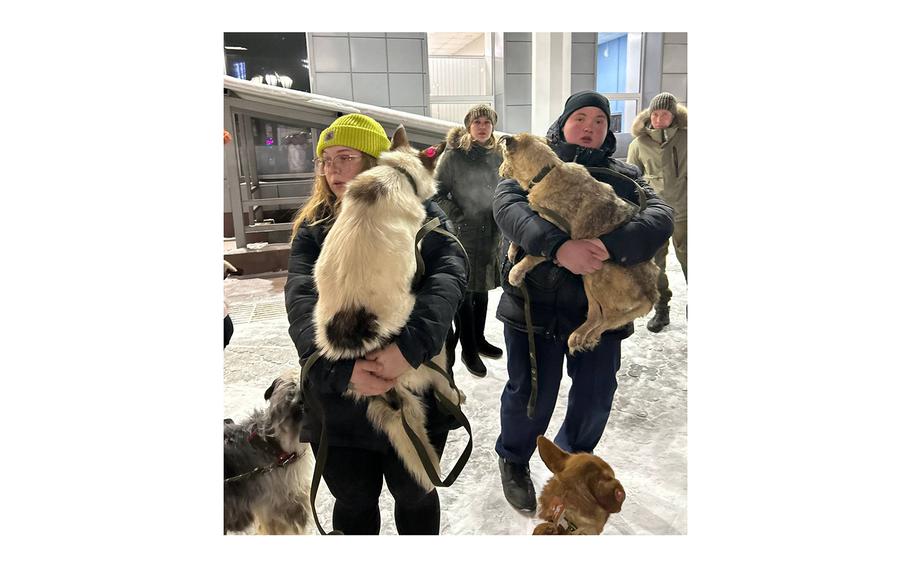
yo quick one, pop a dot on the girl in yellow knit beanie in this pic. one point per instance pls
(359, 457)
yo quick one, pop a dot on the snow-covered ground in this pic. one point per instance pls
(645, 441)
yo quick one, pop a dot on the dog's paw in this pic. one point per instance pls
(516, 276)
(513, 252)
(578, 342)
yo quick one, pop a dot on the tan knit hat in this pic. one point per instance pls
(480, 110)
(664, 101)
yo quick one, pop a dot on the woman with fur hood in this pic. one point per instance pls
(558, 303)
(466, 178)
(659, 149)
(359, 457)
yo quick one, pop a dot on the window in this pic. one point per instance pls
(460, 72)
(618, 75)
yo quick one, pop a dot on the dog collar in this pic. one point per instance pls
(540, 175)
(409, 176)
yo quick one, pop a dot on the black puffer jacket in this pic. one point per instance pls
(465, 181)
(558, 301)
(438, 296)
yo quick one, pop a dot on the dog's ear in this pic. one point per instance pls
(551, 454)
(429, 156)
(609, 494)
(508, 141)
(271, 389)
(400, 138)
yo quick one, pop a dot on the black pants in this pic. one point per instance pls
(354, 477)
(228, 329)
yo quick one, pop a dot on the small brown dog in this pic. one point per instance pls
(566, 195)
(580, 496)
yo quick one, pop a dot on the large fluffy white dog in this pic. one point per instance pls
(364, 275)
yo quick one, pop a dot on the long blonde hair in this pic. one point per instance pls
(323, 204)
(465, 141)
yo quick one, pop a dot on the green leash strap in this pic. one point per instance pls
(455, 411)
(434, 226)
(321, 454)
(532, 350)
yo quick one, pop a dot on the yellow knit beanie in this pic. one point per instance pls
(355, 131)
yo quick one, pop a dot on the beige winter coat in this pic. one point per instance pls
(662, 157)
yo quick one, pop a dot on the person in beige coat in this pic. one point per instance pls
(659, 149)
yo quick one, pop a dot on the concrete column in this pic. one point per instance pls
(551, 77)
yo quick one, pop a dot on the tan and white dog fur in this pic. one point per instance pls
(616, 294)
(363, 277)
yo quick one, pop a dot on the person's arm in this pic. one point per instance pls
(300, 300)
(521, 225)
(641, 238)
(441, 290)
(445, 187)
(634, 157)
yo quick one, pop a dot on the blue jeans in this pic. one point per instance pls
(593, 376)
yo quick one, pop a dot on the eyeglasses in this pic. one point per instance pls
(344, 163)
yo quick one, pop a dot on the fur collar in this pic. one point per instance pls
(458, 138)
(642, 122)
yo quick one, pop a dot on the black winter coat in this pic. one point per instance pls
(558, 301)
(465, 182)
(438, 296)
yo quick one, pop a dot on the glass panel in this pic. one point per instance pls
(282, 149)
(622, 113)
(619, 62)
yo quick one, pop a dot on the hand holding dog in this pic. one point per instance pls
(582, 256)
(365, 378)
(392, 362)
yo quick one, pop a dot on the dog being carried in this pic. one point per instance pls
(267, 469)
(364, 279)
(566, 195)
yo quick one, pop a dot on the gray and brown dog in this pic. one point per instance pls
(581, 495)
(566, 195)
(267, 469)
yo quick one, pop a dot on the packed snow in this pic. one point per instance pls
(645, 440)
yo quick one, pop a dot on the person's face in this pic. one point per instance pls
(341, 165)
(481, 129)
(661, 118)
(586, 127)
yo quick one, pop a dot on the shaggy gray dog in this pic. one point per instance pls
(271, 468)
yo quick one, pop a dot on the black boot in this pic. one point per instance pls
(517, 485)
(660, 320)
(469, 355)
(484, 347)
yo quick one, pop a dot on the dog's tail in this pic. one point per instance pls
(352, 328)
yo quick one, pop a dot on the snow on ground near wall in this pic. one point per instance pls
(645, 440)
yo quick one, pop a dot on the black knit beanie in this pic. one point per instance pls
(581, 100)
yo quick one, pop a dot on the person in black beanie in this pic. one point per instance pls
(581, 134)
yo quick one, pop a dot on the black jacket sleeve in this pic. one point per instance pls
(300, 300)
(439, 293)
(641, 238)
(445, 187)
(521, 225)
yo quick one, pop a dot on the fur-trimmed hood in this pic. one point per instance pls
(459, 139)
(642, 122)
